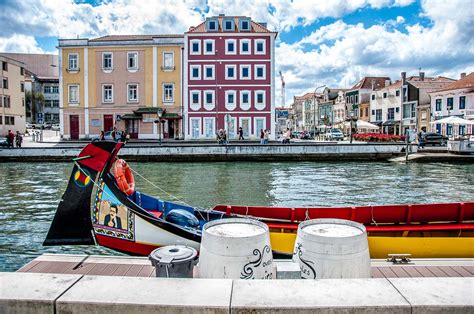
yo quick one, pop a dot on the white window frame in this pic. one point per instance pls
(256, 45)
(249, 67)
(245, 106)
(207, 66)
(241, 43)
(216, 23)
(170, 68)
(128, 93)
(192, 41)
(103, 94)
(213, 133)
(69, 61)
(111, 61)
(227, 41)
(226, 127)
(76, 101)
(249, 119)
(191, 127)
(228, 66)
(195, 66)
(244, 29)
(213, 42)
(259, 106)
(230, 106)
(256, 130)
(212, 105)
(192, 105)
(224, 24)
(133, 69)
(264, 67)
(165, 101)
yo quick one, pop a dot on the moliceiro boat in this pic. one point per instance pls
(101, 206)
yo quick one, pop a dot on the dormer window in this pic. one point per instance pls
(212, 25)
(228, 25)
(245, 25)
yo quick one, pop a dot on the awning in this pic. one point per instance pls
(147, 110)
(171, 116)
(378, 123)
(131, 116)
(390, 123)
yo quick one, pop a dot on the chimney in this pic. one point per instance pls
(221, 14)
(422, 76)
(373, 84)
(404, 78)
(387, 82)
(463, 75)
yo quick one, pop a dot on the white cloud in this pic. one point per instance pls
(20, 43)
(400, 19)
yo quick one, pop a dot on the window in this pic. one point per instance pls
(378, 115)
(195, 72)
(209, 72)
(244, 25)
(73, 93)
(4, 66)
(132, 92)
(356, 99)
(438, 104)
(107, 93)
(1, 120)
(391, 114)
(228, 25)
(230, 72)
(195, 127)
(168, 61)
(245, 72)
(245, 100)
(409, 111)
(209, 46)
(373, 96)
(5, 83)
(9, 120)
(245, 46)
(195, 100)
(259, 100)
(385, 95)
(6, 101)
(73, 64)
(260, 46)
(230, 47)
(22, 71)
(245, 125)
(212, 25)
(230, 100)
(56, 117)
(259, 125)
(373, 112)
(397, 110)
(462, 130)
(449, 129)
(450, 103)
(209, 128)
(47, 117)
(168, 92)
(209, 99)
(397, 92)
(107, 60)
(195, 47)
(260, 72)
(132, 63)
(22, 87)
(55, 103)
(462, 102)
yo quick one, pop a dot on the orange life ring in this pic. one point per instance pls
(124, 176)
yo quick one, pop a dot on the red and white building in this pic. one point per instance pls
(229, 78)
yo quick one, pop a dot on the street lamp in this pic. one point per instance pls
(160, 114)
(314, 108)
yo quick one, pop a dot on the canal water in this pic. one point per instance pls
(29, 193)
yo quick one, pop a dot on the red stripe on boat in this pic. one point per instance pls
(125, 246)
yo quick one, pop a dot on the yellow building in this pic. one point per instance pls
(128, 82)
(12, 96)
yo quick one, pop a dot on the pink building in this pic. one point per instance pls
(229, 78)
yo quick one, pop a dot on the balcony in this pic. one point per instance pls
(469, 113)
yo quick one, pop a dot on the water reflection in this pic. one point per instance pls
(29, 193)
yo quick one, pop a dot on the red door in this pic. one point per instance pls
(108, 122)
(74, 127)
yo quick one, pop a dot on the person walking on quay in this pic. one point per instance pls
(220, 137)
(421, 139)
(225, 137)
(266, 136)
(18, 139)
(262, 137)
(102, 136)
(241, 134)
(114, 134)
(10, 138)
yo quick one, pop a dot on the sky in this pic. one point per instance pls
(320, 42)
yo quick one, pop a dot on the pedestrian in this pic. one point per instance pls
(225, 137)
(421, 139)
(262, 137)
(241, 134)
(114, 134)
(286, 138)
(266, 135)
(102, 136)
(10, 138)
(219, 136)
(18, 139)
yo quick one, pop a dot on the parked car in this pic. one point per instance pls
(3, 142)
(55, 127)
(30, 125)
(434, 139)
(108, 136)
(334, 134)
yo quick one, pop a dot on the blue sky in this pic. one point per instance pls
(332, 42)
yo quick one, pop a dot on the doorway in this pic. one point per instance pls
(132, 128)
(74, 127)
(108, 122)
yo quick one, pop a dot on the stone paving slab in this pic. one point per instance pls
(100, 294)
(437, 295)
(32, 293)
(321, 296)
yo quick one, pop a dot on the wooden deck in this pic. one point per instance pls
(141, 266)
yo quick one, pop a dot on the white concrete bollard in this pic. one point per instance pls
(332, 248)
(236, 249)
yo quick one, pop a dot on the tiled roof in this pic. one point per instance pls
(255, 27)
(366, 82)
(133, 37)
(430, 82)
(307, 96)
(396, 85)
(41, 65)
(466, 82)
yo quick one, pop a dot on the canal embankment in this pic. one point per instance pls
(191, 152)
